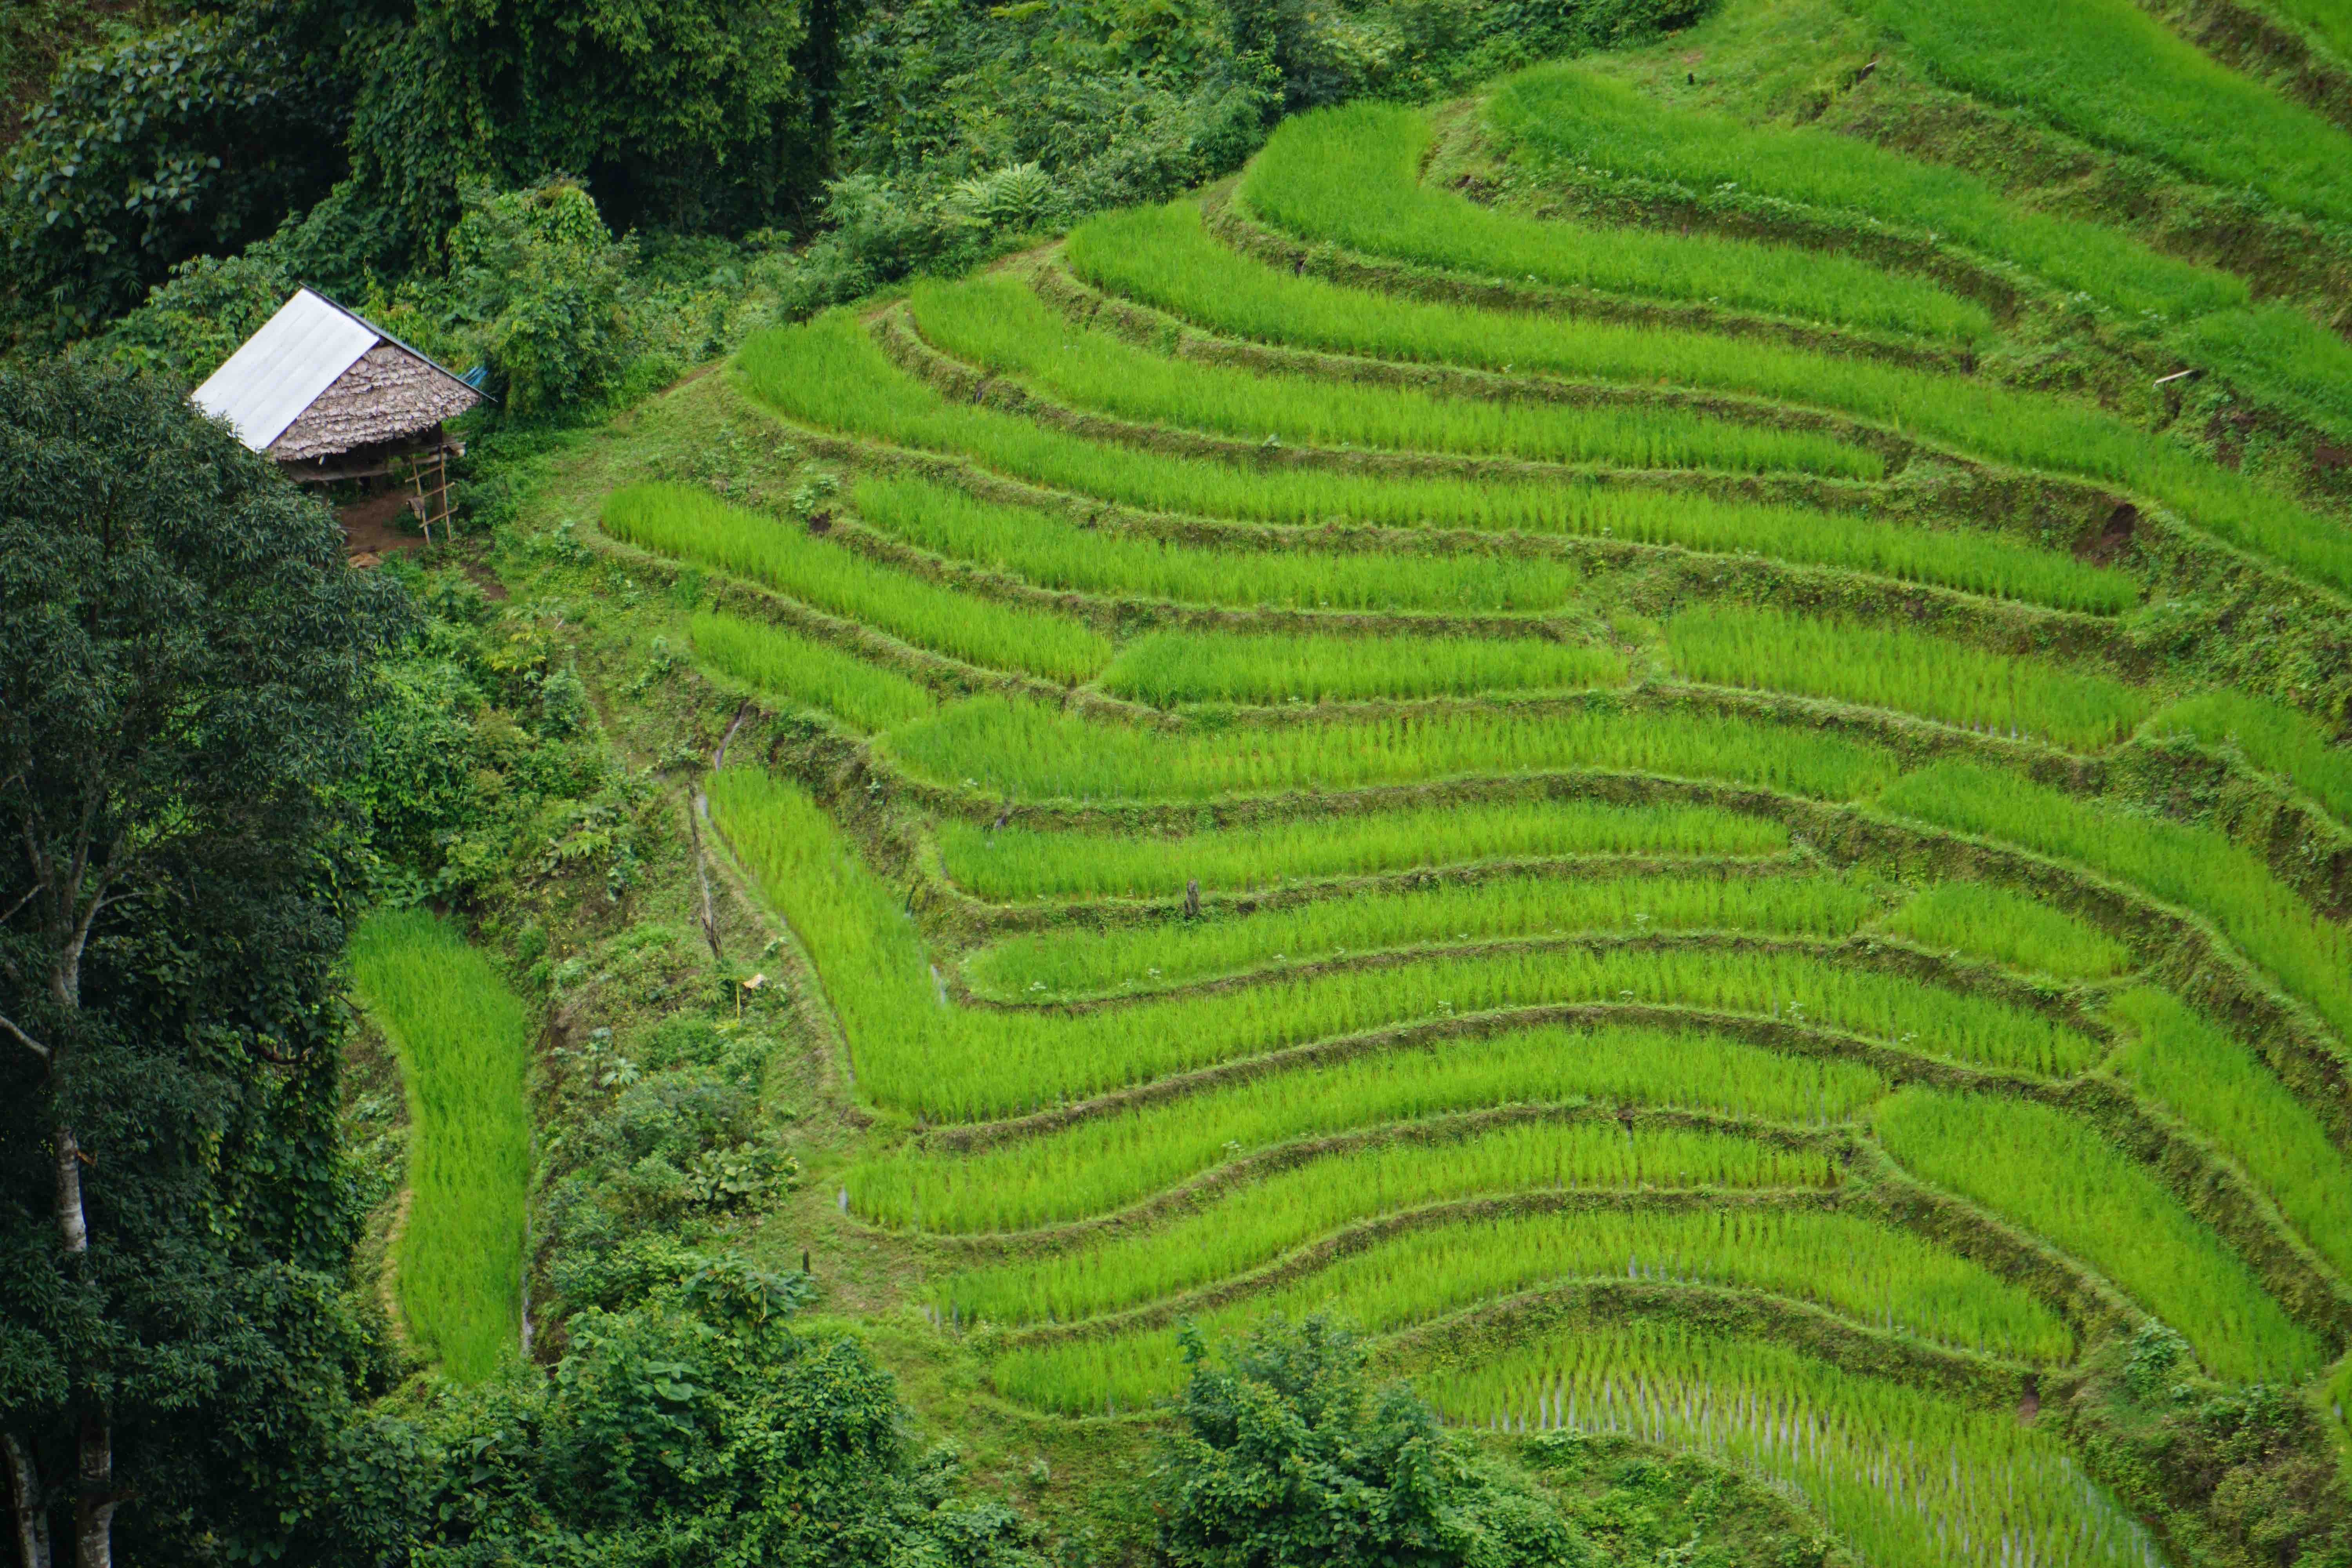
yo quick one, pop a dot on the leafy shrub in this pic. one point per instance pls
(539, 274)
(1287, 1454)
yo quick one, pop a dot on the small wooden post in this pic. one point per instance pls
(1192, 899)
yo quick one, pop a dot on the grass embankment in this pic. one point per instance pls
(464, 1043)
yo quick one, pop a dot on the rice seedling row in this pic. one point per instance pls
(1104, 1162)
(1016, 863)
(1350, 177)
(1252, 1226)
(1005, 748)
(996, 322)
(1904, 1475)
(1913, 672)
(1868, 1273)
(691, 525)
(830, 374)
(2011, 929)
(2053, 1175)
(2195, 868)
(1566, 121)
(2183, 1065)
(916, 1053)
(1069, 963)
(1163, 257)
(786, 667)
(463, 1040)
(2119, 78)
(2272, 736)
(1169, 668)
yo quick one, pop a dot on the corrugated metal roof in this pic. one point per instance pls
(282, 370)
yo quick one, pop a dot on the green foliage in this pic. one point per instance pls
(1351, 177)
(2012, 928)
(700, 1427)
(795, 668)
(691, 524)
(1898, 1471)
(1103, 1162)
(1915, 672)
(1861, 1270)
(536, 272)
(1009, 748)
(1027, 863)
(1071, 963)
(1165, 669)
(198, 137)
(996, 322)
(1287, 1455)
(2055, 1177)
(464, 1043)
(183, 664)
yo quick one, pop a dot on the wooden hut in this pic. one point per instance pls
(330, 395)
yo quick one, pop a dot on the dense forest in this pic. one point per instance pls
(1188, 781)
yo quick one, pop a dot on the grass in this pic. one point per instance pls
(2012, 928)
(1912, 672)
(2272, 736)
(689, 524)
(914, 1052)
(1016, 863)
(1349, 176)
(784, 665)
(1070, 963)
(1054, 553)
(830, 373)
(996, 322)
(1564, 119)
(2055, 1177)
(2195, 868)
(1901, 1475)
(2120, 78)
(1868, 1272)
(1004, 747)
(1256, 1224)
(2183, 1064)
(1166, 669)
(1162, 257)
(464, 1043)
(1108, 1162)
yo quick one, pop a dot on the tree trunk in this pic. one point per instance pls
(94, 1507)
(73, 1223)
(26, 1501)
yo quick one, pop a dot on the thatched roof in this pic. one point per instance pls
(389, 393)
(317, 381)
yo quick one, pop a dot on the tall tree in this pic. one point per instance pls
(184, 662)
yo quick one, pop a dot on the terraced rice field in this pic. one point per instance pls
(1646, 862)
